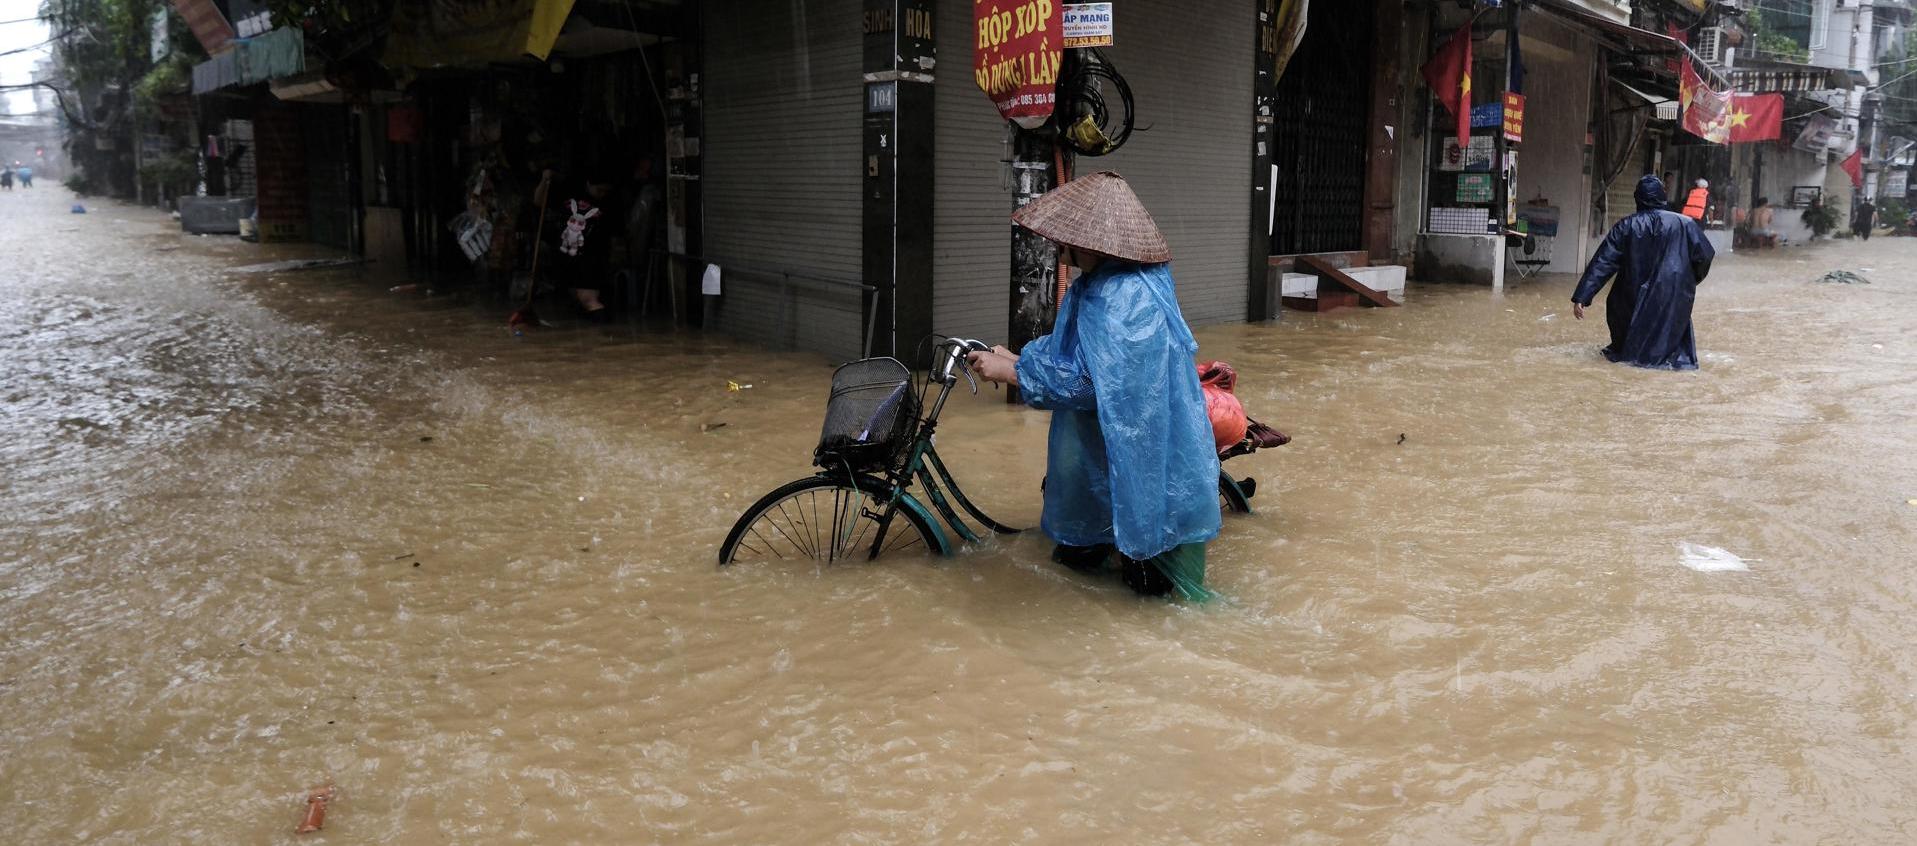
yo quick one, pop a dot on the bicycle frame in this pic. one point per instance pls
(924, 466)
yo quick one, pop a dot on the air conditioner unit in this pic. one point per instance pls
(1711, 45)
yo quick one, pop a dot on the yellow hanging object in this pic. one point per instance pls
(1089, 138)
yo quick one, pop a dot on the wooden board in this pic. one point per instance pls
(1332, 280)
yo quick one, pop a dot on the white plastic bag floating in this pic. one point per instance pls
(1709, 559)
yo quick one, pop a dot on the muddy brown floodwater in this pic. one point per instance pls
(235, 568)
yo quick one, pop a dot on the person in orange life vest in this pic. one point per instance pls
(1700, 197)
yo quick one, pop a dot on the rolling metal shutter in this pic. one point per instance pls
(782, 154)
(1190, 70)
(972, 204)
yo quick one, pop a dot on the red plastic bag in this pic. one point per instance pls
(1227, 415)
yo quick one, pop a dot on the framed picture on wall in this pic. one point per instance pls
(1804, 195)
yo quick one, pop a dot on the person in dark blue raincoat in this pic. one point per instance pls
(1658, 257)
(1131, 463)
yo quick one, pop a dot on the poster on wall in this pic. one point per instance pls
(1016, 56)
(1477, 158)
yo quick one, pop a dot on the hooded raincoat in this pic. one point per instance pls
(1131, 460)
(1658, 257)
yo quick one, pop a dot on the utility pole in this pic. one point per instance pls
(1034, 259)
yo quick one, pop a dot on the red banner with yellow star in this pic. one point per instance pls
(1756, 117)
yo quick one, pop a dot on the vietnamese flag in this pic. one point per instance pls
(1855, 167)
(1756, 117)
(1449, 75)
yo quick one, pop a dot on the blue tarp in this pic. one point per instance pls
(1658, 257)
(1131, 457)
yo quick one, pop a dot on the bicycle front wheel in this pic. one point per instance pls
(826, 520)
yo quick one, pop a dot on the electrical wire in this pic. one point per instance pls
(32, 47)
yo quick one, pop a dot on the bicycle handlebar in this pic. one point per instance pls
(959, 348)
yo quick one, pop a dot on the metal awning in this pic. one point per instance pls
(1666, 107)
(1641, 41)
(1789, 78)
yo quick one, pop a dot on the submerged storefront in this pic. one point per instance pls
(858, 184)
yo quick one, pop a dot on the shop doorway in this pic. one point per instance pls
(1320, 134)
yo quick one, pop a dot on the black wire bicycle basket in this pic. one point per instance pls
(870, 418)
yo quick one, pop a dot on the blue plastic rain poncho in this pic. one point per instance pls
(1131, 458)
(1658, 257)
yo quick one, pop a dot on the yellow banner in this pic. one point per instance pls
(453, 33)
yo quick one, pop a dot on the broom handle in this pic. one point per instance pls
(539, 240)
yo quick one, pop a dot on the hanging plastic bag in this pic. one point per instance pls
(475, 235)
(1227, 414)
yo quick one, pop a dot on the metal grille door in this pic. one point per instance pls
(1320, 136)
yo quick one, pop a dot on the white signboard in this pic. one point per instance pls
(1897, 183)
(1087, 24)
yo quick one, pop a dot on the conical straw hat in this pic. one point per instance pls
(1099, 213)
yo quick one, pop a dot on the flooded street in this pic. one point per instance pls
(266, 531)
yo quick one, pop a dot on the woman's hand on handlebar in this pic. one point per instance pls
(999, 349)
(995, 366)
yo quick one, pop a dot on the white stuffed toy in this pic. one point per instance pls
(575, 236)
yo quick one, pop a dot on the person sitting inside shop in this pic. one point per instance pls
(1763, 224)
(580, 244)
(1131, 464)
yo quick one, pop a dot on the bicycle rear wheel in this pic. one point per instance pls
(1234, 497)
(829, 519)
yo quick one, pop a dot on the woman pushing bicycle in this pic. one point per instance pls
(1131, 464)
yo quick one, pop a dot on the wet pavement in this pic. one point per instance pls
(269, 531)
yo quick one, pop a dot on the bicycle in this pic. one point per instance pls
(874, 447)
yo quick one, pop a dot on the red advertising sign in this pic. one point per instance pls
(1514, 117)
(1019, 48)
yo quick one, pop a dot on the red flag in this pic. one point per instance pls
(1855, 167)
(1449, 75)
(1756, 117)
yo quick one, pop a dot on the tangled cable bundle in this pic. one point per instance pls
(1087, 94)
